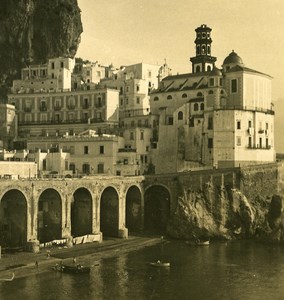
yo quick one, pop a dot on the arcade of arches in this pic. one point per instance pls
(37, 211)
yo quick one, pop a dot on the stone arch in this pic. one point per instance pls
(13, 219)
(81, 212)
(109, 211)
(157, 201)
(49, 216)
(133, 209)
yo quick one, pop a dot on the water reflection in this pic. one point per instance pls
(233, 270)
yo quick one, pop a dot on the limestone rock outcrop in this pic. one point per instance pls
(223, 214)
(32, 31)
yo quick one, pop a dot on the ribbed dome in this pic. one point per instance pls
(215, 72)
(233, 58)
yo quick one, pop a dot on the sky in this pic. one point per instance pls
(125, 32)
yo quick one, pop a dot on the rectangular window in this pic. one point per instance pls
(86, 150)
(249, 124)
(234, 86)
(44, 165)
(52, 65)
(210, 123)
(266, 126)
(149, 74)
(260, 142)
(62, 64)
(131, 136)
(141, 135)
(211, 82)
(86, 168)
(210, 143)
(137, 88)
(102, 149)
(238, 124)
(250, 142)
(170, 121)
(138, 100)
(266, 144)
(239, 141)
(221, 81)
(100, 168)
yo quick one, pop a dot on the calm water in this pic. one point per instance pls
(233, 270)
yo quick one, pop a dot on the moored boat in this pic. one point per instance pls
(160, 264)
(77, 269)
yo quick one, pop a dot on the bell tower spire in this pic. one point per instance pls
(203, 61)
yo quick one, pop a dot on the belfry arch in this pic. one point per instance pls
(109, 210)
(13, 220)
(156, 209)
(81, 213)
(133, 209)
(49, 216)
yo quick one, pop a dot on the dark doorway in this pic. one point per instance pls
(81, 213)
(49, 216)
(109, 212)
(157, 209)
(133, 209)
(13, 220)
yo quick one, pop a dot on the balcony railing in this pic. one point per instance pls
(57, 107)
(43, 108)
(256, 147)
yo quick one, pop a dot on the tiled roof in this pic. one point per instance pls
(245, 69)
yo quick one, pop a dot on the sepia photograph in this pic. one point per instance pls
(141, 149)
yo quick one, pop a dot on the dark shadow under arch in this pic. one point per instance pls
(133, 209)
(81, 213)
(157, 209)
(13, 220)
(49, 216)
(109, 212)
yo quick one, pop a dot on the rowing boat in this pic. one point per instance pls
(160, 264)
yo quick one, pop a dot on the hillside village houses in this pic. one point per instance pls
(89, 119)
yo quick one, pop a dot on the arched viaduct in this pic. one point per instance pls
(39, 211)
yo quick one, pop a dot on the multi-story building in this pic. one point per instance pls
(44, 114)
(8, 126)
(212, 117)
(55, 76)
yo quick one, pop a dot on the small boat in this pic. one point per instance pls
(202, 243)
(160, 264)
(77, 269)
(8, 279)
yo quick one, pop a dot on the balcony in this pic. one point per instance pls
(43, 108)
(57, 107)
(256, 147)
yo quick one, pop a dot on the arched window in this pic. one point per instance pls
(208, 68)
(202, 106)
(203, 49)
(210, 92)
(169, 97)
(199, 94)
(197, 49)
(208, 49)
(156, 98)
(222, 92)
(195, 107)
(180, 115)
(184, 96)
(197, 69)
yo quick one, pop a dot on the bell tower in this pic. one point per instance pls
(202, 61)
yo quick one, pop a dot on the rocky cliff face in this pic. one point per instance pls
(253, 210)
(32, 31)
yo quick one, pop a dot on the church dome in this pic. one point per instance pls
(233, 58)
(215, 72)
